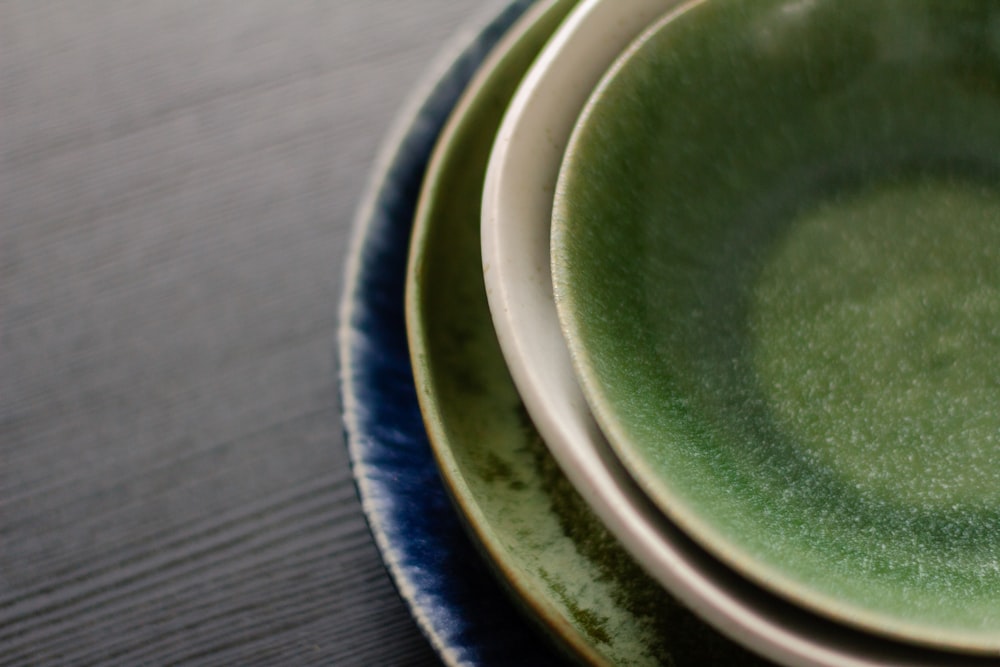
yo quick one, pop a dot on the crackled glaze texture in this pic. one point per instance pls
(775, 254)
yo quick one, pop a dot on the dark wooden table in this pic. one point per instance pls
(177, 184)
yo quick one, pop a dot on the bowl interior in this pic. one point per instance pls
(775, 253)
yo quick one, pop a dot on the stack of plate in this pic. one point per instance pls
(690, 310)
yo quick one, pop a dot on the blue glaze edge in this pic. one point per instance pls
(454, 597)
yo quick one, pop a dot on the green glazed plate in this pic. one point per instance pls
(776, 256)
(559, 561)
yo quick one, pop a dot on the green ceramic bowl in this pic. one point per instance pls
(776, 256)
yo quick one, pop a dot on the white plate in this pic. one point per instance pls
(517, 207)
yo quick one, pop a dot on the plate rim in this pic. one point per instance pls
(419, 120)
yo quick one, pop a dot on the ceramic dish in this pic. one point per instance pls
(453, 596)
(557, 558)
(785, 318)
(779, 630)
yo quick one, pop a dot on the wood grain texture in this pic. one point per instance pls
(177, 183)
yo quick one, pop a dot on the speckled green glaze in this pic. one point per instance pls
(562, 564)
(776, 254)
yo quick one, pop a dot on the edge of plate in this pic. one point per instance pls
(421, 117)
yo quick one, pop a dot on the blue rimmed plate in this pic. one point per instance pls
(454, 598)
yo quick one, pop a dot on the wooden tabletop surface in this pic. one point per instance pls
(177, 183)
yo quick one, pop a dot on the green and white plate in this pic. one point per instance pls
(776, 255)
